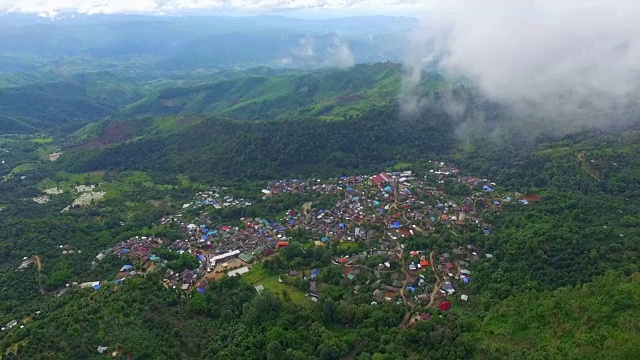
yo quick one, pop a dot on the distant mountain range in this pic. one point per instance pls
(208, 42)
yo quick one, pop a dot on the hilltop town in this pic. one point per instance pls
(383, 229)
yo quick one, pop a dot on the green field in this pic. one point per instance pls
(258, 276)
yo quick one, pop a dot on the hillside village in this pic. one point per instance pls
(377, 214)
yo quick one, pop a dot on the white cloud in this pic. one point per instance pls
(53, 7)
(569, 64)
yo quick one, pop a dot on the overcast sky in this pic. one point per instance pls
(303, 7)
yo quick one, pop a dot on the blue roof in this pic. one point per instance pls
(126, 268)
(281, 228)
(341, 225)
(411, 288)
(466, 280)
(203, 226)
(154, 258)
(201, 290)
(117, 281)
(324, 239)
(356, 198)
(349, 189)
(96, 287)
(487, 188)
(486, 231)
(343, 177)
(124, 251)
(525, 202)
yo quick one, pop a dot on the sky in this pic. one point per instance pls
(303, 8)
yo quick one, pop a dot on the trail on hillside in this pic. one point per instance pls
(585, 165)
(36, 258)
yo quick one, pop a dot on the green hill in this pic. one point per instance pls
(328, 94)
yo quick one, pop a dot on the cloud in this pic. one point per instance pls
(563, 65)
(306, 48)
(54, 7)
(340, 54)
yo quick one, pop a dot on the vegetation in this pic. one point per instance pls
(562, 283)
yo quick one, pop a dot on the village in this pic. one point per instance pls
(381, 212)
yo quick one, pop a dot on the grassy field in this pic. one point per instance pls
(42, 140)
(13, 349)
(258, 276)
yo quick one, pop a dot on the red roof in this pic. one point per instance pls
(346, 271)
(445, 217)
(449, 265)
(532, 197)
(425, 316)
(424, 263)
(343, 260)
(444, 306)
(282, 244)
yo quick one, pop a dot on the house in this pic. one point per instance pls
(388, 288)
(11, 324)
(102, 349)
(464, 297)
(378, 295)
(444, 306)
(448, 287)
(240, 271)
(246, 258)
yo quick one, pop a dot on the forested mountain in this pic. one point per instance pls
(325, 94)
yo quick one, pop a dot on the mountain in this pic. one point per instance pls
(172, 43)
(326, 94)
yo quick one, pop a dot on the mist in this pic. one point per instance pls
(557, 66)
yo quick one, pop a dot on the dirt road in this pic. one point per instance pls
(438, 284)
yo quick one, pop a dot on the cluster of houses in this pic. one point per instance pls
(380, 210)
(137, 248)
(214, 198)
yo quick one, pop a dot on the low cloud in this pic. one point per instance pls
(558, 65)
(340, 54)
